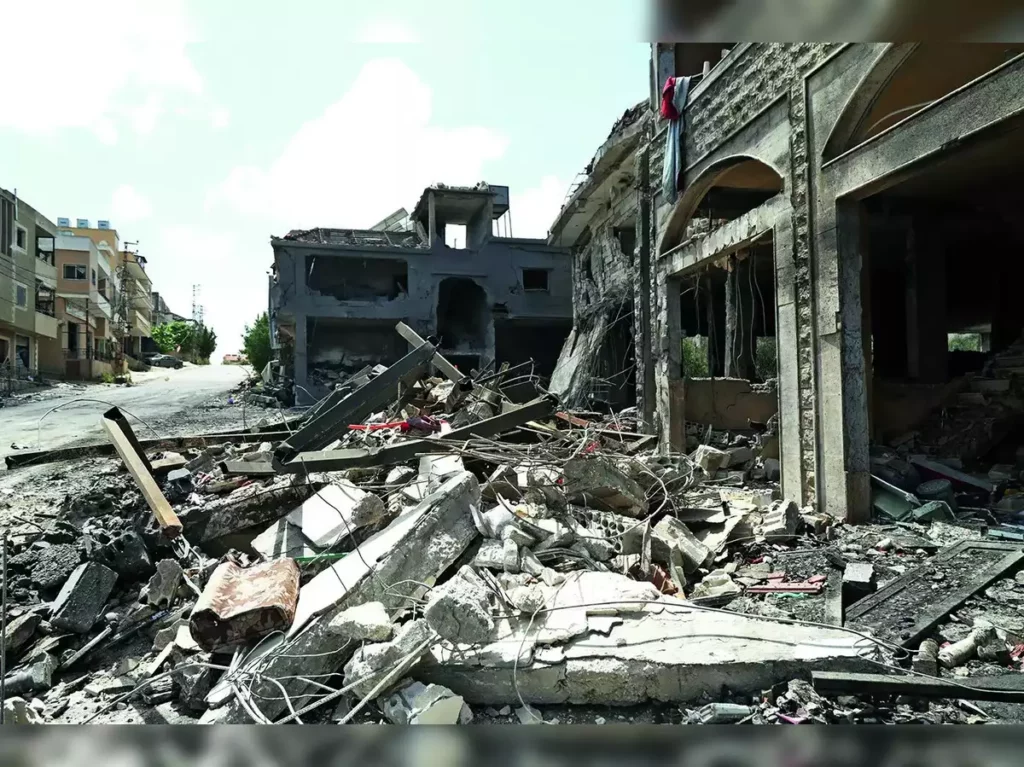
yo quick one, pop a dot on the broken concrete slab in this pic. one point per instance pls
(283, 540)
(858, 581)
(672, 543)
(371, 663)
(710, 459)
(780, 522)
(435, 469)
(597, 482)
(737, 457)
(363, 623)
(245, 508)
(336, 511)
(80, 602)
(717, 584)
(38, 677)
(163, 586)
(460, 609)
(414, 549)
(418, 703)
(18, 711)
(655, 649)
(19, 631)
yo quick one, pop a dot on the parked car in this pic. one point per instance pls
(165, 361)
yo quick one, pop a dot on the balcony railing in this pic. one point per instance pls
(88, 354)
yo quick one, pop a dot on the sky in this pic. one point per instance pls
(202, 128)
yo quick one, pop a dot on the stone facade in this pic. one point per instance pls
(801, 111)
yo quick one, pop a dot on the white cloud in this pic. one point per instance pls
(144, 117)
(128, 205)
(534, 210)
(366, 155)
(220, 118)
(384, 30)
(84, 65)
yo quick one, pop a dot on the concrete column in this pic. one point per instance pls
(673, 325)
(301, 362)
(431, 219)
(927, 343)
(645, 340)
(664, 68)
(852, 441)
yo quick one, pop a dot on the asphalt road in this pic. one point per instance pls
(170, 401)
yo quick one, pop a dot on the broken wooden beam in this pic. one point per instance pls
(1006, 688)
(447, 369)
(127, 446)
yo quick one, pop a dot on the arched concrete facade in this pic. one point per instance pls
(695, 191)
(968, 114)
(765, 140)
(798, 109)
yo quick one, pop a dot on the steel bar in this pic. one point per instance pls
(447, 369)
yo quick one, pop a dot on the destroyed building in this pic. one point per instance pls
(599, 223)
(806, 267)
(336, 294)
(424, 546)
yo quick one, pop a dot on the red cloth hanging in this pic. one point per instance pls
(668, 109)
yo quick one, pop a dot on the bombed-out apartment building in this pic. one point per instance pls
(803, 238)
(450, 270)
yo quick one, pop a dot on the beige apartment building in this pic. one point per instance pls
(86, 289)
(131, 286)
(28, 280)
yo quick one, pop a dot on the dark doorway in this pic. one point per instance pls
(462, 319)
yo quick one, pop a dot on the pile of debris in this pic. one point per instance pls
(428, 547)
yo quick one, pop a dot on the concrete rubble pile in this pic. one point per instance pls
(423, 547)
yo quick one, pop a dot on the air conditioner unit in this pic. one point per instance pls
(101, 224)
(63, 222)
(83, 223)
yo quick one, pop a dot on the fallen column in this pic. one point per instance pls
(608, 640)
(390, 567)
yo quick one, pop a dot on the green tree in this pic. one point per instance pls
(964, 342)
(256, 343)
(205, 343)
(695, 357)
(172, 337)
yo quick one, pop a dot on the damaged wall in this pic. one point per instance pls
(797, 108)
(729, 403)
(601, 223)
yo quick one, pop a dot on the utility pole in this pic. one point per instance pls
(197, 319)
(122, 322)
